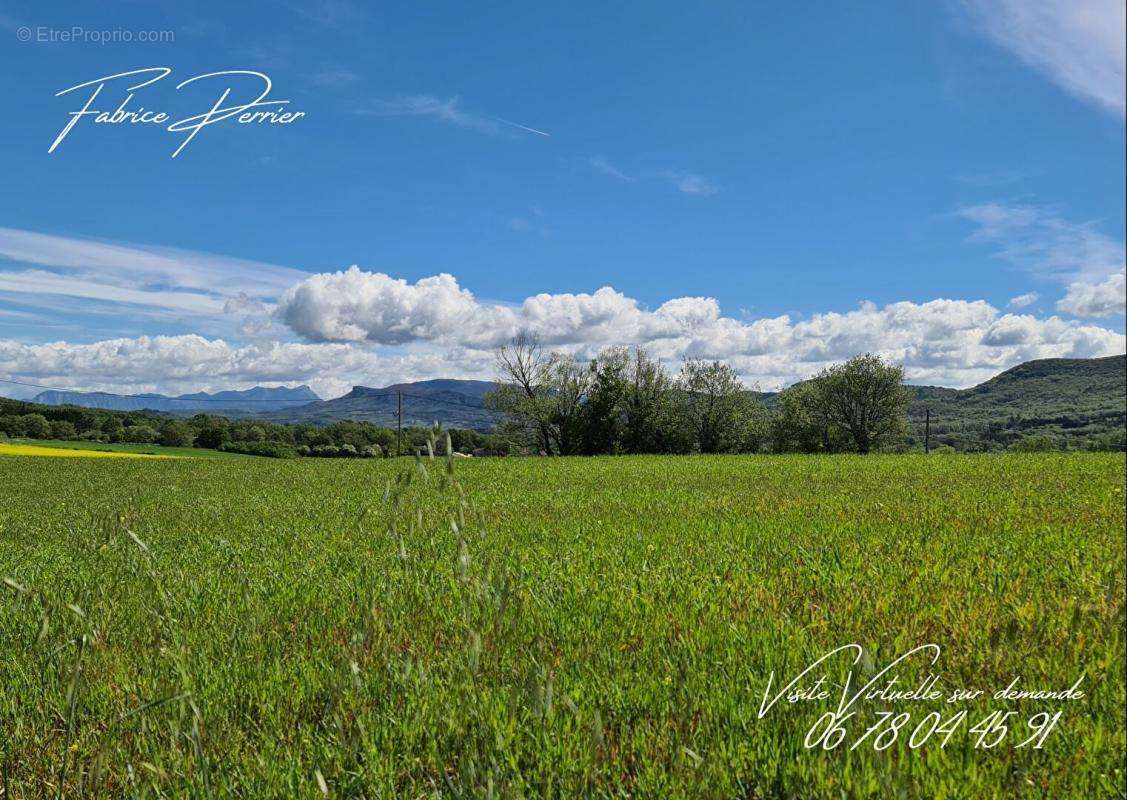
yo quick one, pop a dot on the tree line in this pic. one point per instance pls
(625, 401)
(341, 439)
(622, 401)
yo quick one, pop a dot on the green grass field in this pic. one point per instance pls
(546, 627)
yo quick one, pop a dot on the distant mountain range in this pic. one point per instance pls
(260, 398)
(454, 403)
(1055, 397)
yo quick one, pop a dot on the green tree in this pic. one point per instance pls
(13, 425)
(63, 430)
(603, 409)
(523, 393)
(650, 422)
(867, 399)
(136, 434)
(347, 431)
(569, 381)
(112, 425)
(721, 414)
(800, 424)
(177, 434)
(213, 434)
(36, 426)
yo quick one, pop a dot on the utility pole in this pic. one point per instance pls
(399, 426)
(927, 430)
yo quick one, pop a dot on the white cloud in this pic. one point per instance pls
(948, 342)
(1040, 242)
(38, 268)
(372, 328)
(141, 264)
(334, 77)
(1049, 247)
(1023, 300)
(691, 183)
(1090, 299)
(357, 306)
(600, 164)
(186, 363)
(956, 341)
(1078, 44)
(945, 342)
(338, 15)
(448, 111)
(39, 283)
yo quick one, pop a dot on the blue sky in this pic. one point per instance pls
(943, 183)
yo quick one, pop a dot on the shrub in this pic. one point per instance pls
(61, 429)
(213, 436)
(177, 434)
(136, 434)
(13, 425)
(266, 449)
(1034, 444)
(36, 426)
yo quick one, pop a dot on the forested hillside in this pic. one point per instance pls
(1056, 400)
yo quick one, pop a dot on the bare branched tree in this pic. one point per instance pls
(523, 391)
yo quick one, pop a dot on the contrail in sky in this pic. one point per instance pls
(522, 127)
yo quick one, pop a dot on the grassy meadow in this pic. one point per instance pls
(544, 627)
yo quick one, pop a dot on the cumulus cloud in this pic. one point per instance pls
(956, 341)
(357, 306)
(440, 330)
(1077, 44)
(946, 342)
(371, 328)
(1096, 299)
(191, 362)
